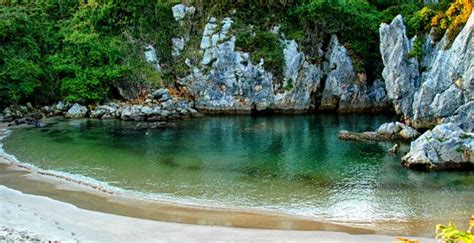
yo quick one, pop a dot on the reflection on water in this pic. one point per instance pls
(291, 164)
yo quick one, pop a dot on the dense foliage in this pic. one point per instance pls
(80, 50)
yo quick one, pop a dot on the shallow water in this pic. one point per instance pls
(290, 164)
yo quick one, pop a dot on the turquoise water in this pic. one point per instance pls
(290, 164)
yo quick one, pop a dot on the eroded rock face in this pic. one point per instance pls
(226, 80)
(445, 147)
(446, 84)
(400, 73)
(340, 76)
(463, 117)
(76, 111)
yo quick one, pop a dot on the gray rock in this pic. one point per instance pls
(226, 80)
(133, 112)
(293, 60)
(394, 149)
(151, 57)
(446, 84)
(29, 106)
(76, 111)
(178, 46)
(392, 131)
(445, 147)
(103, 110)
(463, 117)
(60, 106)
(46, 109)
(400, 73)
(159, 93)
(339, 84)
(180, 11)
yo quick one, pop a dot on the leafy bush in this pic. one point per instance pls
(263, 45)
(417, 50)
(78, 50)
(450, 233)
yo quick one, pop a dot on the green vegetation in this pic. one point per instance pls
(78, 50)
(83, 50)
(263, 45)
(450, 233)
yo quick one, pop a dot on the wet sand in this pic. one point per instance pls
(91, 198)
(27, 217)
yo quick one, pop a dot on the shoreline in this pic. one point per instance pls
(85, 196)
(89, 196)
(29, 217)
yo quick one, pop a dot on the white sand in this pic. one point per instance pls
(23, 215)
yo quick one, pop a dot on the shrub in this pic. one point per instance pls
(450, 233)
(263, 44)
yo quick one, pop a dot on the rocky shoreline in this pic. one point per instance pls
(159, 108)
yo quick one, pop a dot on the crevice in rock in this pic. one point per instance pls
(316, 96)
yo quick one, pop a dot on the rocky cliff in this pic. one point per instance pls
(446, 79)
(226, 80)
(438, 90)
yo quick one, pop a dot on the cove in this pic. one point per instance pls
(289, 164)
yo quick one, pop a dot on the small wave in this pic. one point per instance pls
(107, 188)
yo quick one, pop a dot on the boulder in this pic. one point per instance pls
(444, 147)
(133, 112)
(76, 111)
(103, 111)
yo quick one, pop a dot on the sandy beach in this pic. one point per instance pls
(29, 217)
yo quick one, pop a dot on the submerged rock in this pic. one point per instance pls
(394, 149)
(154, 125)
(445, 147)
(76, 111)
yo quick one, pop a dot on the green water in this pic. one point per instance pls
(288, 164)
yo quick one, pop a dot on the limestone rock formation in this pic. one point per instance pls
(226, 80)
(446, 84)
(400, 73)
(445, 147)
